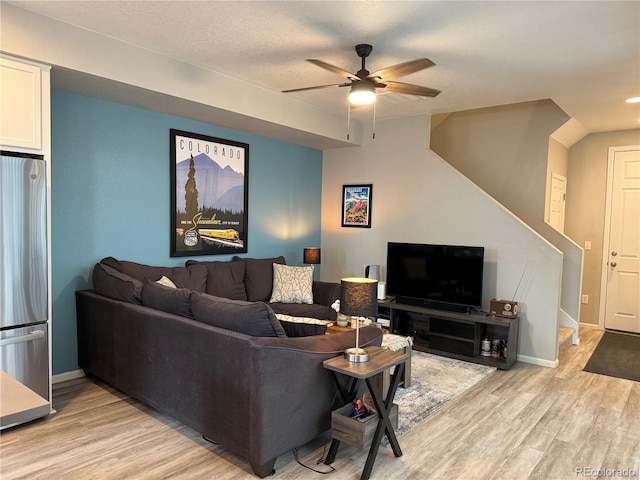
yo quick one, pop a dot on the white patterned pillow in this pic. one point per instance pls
(166, 281)
(292, 284)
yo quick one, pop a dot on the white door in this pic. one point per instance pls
(622, 307)
(558, 201)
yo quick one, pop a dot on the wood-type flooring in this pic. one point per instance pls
(528, 422)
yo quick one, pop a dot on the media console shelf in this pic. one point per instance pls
(452, 334)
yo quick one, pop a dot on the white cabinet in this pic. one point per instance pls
(24, 106)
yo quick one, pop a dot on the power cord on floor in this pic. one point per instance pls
(210, 441)
(295, 454)
(320, 460)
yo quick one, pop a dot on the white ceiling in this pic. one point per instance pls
(584, 55)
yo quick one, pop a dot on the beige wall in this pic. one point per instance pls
(504, 150)
(558, 162)
(585, 209)
(418, 197)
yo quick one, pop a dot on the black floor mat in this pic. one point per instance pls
(617, 355)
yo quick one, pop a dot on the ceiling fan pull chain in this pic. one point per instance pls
(348, 117)
(374, 120)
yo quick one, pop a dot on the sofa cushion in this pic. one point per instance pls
(251, 318)
(224, 279)
(302, 326)
(111, 283)
(193, 277)
(292, 284)
(323, 312)
(302, 329)
(167, 299)
(258, 277)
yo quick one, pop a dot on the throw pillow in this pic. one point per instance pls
(292, 284)
(111, 283)
(167, 299)
(224, 279)
(258, 277)
(251, 318)
(166, 282)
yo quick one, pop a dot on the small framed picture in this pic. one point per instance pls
(356, 205)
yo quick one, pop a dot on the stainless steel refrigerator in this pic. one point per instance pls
(24, 322)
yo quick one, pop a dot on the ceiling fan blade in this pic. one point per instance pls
(408, 89)
(334, 69)
(402, 69)
(317, 87)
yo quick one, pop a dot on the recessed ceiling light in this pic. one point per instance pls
(633, 100)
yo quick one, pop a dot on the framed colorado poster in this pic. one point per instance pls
(209, 195)
(356, 205)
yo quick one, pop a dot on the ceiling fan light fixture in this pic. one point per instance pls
(362, 94)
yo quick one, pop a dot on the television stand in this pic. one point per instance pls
(453, 334)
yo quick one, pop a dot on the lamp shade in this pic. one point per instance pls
(359, 297)
(311, 255)
(362, 93)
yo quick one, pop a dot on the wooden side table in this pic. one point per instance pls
(380, 360)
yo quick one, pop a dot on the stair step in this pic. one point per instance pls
(565, 339)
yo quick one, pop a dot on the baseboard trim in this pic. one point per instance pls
(538, 361)
(63, 377)
(590, 325)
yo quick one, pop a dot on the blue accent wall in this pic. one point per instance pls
(110, 196)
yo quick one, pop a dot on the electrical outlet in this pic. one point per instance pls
(587, 245)
(585, 299)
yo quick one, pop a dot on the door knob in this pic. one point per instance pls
(614, 253)
(614, 264)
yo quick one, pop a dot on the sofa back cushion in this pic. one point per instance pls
(168, 299)
(193, 277)
(224, 279)
(258, 277)
(111, 283)
(251, 318)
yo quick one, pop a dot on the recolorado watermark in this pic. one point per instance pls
(592, 472)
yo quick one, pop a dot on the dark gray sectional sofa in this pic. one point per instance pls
(225, 367)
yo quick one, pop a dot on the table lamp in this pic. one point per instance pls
(311, 255)
(358, 298)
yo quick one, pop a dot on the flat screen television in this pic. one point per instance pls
(447, 277)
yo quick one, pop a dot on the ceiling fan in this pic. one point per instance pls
(364, 84)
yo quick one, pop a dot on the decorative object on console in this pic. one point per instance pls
(311, 255)
(358, 297)
(342, 319)
(486, 347)
(356, 205)
(372, 271)
(209, 195)
(503, 308)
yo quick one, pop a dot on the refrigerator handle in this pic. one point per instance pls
(23, 338)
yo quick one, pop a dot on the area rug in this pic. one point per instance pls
(617, 355)
(435, 381)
